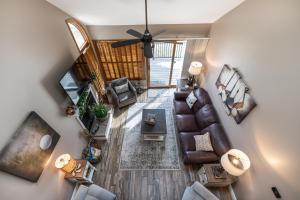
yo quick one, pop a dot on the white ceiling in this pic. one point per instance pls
(129, 12)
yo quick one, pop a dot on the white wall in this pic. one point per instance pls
(195, 51)
(261, 39)
(36, 49)
(171, 31)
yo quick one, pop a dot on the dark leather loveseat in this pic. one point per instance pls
(200, 119)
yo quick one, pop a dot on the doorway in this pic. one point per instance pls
(166, 64)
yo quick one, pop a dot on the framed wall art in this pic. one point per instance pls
(235, 94)
(29, 149)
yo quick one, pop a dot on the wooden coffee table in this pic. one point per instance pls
(155, 132)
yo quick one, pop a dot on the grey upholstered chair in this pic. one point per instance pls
(198, 192)
(93, 192)
(123, 93)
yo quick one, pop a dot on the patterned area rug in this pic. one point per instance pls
(148, 155)
(154, 93)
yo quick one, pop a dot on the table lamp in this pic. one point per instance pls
(65, 163)
(194, 70)
(235, 162)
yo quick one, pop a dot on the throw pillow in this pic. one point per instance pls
(191, 99)
(121, 88)
(203, 142)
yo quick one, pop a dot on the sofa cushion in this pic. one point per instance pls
(199, 157)
(191, 99)
(121, 88)
(125, 96)
(202, 99)
(186, 123)
(181, 96)
(181, 107)
(206, 116)
(88, 197)
(203, 143)
(187, 141)
(218, 138)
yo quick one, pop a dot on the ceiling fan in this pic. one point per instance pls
(146, 38)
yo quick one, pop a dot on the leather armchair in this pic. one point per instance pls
(123, 99)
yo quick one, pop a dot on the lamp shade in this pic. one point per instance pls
(235, 162)
(195, 68)
(65, 163)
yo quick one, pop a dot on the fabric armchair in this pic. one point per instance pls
(198, 192)
(123, 93)
(93, 192)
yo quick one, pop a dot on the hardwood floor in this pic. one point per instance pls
(142, 184)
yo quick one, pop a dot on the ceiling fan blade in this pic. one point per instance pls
(148, 50)
(125, 43)
(134, 33)
(157, 33)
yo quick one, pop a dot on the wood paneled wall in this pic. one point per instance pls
(119, 62)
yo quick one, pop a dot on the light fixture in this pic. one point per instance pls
(65, 163)
(194, 70)
(235, 162)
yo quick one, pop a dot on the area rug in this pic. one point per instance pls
(155, 93)
(137, 154)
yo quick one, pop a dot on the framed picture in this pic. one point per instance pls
(29, 149)
(234, 93)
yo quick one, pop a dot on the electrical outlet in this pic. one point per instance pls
(276, 193)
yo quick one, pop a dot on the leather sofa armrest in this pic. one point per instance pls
(181, 96)
(199, 157)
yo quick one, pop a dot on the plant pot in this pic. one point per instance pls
(102, 119)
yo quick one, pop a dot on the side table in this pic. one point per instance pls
(208, 179)
(85, 175)
(182, 85)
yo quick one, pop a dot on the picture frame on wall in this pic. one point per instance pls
(234, 92)
(29, 149)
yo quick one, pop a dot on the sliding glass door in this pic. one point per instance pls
(167, 63)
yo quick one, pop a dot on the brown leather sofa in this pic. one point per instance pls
(200, 119)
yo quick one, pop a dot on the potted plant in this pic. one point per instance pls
(81, 104)
(100, 111)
